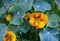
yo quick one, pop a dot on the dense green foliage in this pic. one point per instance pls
(21, 27)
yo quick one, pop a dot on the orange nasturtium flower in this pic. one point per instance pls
(10, 36)
(38, 19)
(8, 17)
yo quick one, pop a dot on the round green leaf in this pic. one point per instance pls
(49, 1)
(17, 14)
(13, 28)
(49, 34)
(26, 4)
(40, 5)
(3, 28)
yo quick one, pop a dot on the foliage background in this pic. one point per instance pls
(23, 30)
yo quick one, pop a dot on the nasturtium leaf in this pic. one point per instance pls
(13, 28)
(49, 34)
(53, 20)
(58, 3)
(26, 4)
(50, 1)
(3, 9)
(24, 27)
(17, 14)
(3, 28)
(7, 3)
(41, 5)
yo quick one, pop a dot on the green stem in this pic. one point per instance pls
(36, 35)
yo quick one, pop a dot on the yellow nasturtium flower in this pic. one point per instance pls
(8, 17)
(38, 19)
(10, 36)
(27, 15)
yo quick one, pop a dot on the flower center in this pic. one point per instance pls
(37, 18)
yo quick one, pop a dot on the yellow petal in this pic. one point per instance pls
(38, 19)
(32, 22)
(8, 17)
(44, 18)
(27, 15)
(10, 36)
(40, 25)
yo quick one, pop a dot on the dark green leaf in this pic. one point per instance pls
(40, 5)
(24, 27)
(3, 28)
(25, 40)
(21, 39)
(49, 34)
(17, 14)
(26, 4)
(1, 3)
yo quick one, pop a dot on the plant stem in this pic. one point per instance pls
(36, 35)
